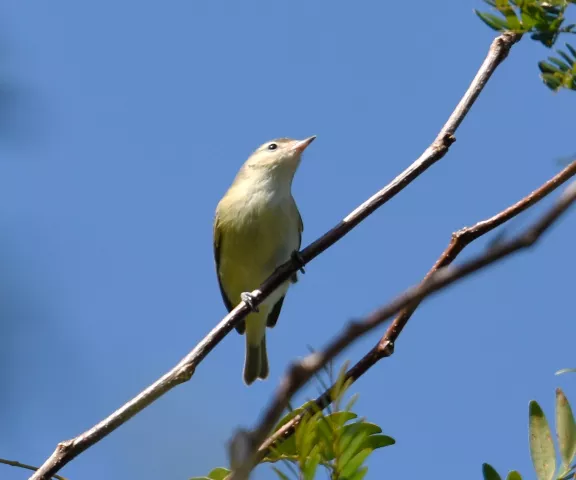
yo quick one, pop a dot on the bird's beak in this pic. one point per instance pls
(301, 145)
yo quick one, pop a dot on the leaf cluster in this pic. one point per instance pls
(338, 441)
(560, 72)
(544, 20)
(542, 449)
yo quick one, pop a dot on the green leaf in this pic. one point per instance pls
(492, 21)
(555, 24)
(326, 438)
(489, 473)
(506, 9)
(546, 38)
(528, 20)
(566, 57)
(560, 64)
(573, 52)
(514, 475)
(567, 370)
(536, 15)
(309, 470)
(551, 81)
(351, 402)
(546, 67)
(541, 444)
(345, 437)
(307, 438)
(501, 4)
(287, 447)
(308, 407)
(337, 419)
(360, 474)
(307, 442)
(301, 431)
(340, 386)
(379, 441)
(565, 429)
(372, 441)
(281, 474)
(369, 428)
(355, 463)
(219, 473)
(351, 449)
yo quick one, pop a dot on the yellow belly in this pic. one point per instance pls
(252, 250)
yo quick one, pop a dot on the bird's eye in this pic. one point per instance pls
(272, 146)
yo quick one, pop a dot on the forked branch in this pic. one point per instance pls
(460, 240)
(245, 444)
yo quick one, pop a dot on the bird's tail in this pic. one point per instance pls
(256, 361)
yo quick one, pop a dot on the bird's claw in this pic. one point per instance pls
(298, 260)
(248, 299)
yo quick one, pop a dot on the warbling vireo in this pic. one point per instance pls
(257, 228)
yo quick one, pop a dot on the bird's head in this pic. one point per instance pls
(278, 157)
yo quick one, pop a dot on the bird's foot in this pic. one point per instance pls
(248, 299)
(298, 260)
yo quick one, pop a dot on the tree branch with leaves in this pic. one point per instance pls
(543, 21)
(301, 372)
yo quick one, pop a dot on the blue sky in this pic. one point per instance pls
(134, 119)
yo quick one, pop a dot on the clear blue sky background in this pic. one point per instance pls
(134, 118)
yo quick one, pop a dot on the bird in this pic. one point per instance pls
(257, 228)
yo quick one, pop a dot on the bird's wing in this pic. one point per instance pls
(241, 327)
(300, 227)
(294, 277)
(274, 314)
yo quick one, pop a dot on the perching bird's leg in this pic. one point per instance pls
(248, 299)
(298, 260)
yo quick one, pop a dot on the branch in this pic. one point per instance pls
(245, 443)
(460, 240)
(183, 371)
(14, 463)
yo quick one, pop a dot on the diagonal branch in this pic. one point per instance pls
(244, 446)
(183, 371)
(460, 240)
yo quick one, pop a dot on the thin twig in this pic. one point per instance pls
(14, 463)
(460, 240)
(183, 371)
(301, 372)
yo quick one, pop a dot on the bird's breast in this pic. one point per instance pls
(258, 238)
